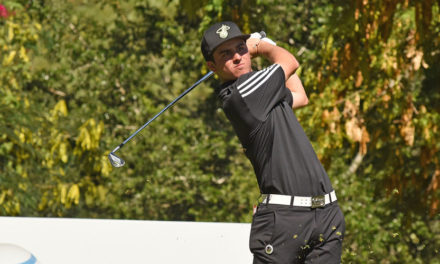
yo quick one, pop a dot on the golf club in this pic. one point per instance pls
(117, 161)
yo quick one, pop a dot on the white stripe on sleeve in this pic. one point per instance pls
(267, 76)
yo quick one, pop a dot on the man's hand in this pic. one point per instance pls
(252, 45)
(253, 42)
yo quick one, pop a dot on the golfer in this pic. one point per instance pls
(298, 219)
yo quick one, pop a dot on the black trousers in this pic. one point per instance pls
(284, 234)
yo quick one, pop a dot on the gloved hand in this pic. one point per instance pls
(262, 35)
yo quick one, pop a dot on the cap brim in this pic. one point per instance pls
(244, 37)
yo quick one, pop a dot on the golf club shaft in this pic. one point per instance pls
(163, 110)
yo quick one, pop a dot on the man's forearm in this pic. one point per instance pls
(278, 55)
(274, 54)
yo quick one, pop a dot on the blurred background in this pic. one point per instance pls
(78, 77)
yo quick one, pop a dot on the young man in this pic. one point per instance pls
(299, 220)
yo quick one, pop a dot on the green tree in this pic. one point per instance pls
(78, 77)
(371, 73)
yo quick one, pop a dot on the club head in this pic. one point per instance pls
(115, 160)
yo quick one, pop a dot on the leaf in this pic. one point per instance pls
(7, 60)
(63, 152)
(63, 192)
(74, 194)
(407, 128)
(2, 197)
(359, 79)
(60, 108)
(365, 138)
(23, 54)
(10, 33)
(353, 130)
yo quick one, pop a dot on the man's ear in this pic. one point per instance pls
(211, 65)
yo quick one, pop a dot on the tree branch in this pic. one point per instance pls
(355, 163)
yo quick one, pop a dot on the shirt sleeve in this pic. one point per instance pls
(264, 89)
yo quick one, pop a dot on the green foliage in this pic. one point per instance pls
(78, 77)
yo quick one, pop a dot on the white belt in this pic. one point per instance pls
(303, 201)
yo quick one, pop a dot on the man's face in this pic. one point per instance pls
(231, 60)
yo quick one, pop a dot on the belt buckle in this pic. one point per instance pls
(318, 201)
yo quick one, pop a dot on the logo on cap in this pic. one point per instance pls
(223, 31)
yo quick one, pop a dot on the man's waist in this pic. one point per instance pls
(302, 201)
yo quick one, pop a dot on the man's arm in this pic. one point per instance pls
(293, 83)
(274, 54)
(300, 98)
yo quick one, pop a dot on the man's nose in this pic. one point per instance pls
(236, 57)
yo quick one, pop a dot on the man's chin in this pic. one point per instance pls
(241, 70)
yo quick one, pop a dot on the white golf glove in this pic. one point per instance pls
(262, 37)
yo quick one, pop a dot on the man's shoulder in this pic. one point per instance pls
(252, 81)
(257, 75)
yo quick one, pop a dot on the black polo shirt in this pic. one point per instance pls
(259, 106)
